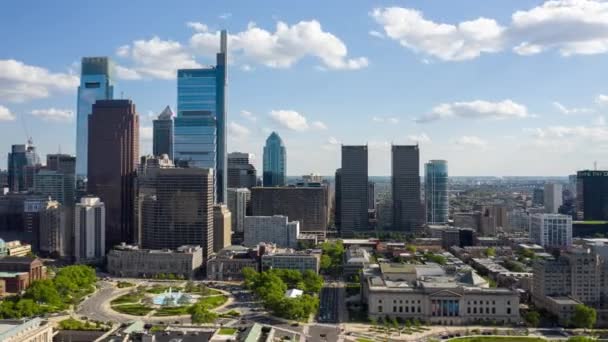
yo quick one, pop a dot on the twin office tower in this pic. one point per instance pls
(197, 136)
(408, 212)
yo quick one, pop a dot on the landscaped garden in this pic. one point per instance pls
(498, 339)
(164, 300)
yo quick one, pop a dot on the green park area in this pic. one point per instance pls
(139, 302)
(69, 286)
(270, 286)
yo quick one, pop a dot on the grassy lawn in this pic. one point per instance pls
(73, 324)
(213, 302)
(128, 298)
(133, 309)
(227, 331)
(171, 311)
(124, 284)
(498, 339)
(363, 339)
(157, 289)
(230, 314)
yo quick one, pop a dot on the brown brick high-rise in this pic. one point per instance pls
(113, 152)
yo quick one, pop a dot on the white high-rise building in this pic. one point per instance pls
(238, 200)
(89, 229)
(275, 229)
(551, 230)
(552, 197)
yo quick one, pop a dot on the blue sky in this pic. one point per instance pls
(496, 87)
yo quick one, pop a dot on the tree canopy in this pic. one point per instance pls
(584, 316)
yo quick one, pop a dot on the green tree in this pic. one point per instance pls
(584, 316)
(325, 262)
(411, 249)
(44, 291)
(490, 252)
(582, 339)
(199, 314)
(312, 282)
(532, 318)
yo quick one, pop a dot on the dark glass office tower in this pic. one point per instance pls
(338, 199)
(95, 84)
(407, 207)
(592, 195)
(241, 172)
(275, 161)
(162, 133)
(176, 208)
(200, 125)
(20, 157)
(436, 191)
(113, 154)
(354, 190)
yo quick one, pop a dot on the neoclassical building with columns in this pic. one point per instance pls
(435, 295)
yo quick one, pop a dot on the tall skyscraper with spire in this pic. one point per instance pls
(95, 84)
(162, 133)
(200, 125)
(275, 161)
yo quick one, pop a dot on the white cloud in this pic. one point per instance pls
(282, 48)
(568, 111)
(419, 138)
(5, 114)
(601, 99)
(572, 27)
(477, 109)
(146, 133)
(470, 141)
(237, 131)
(319, 125)
(391, 120)
(156, 58)
(569, 26)
(20, 82)
(600, 121)
(225, 16)
(53, 114)
(597, 133)
(466, 40)
(290, 119)
(333, 141)
(248, 115)
(198, 27)
(126, 73)
(376, 34)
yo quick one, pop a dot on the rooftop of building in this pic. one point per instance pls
(11, 274)
(25, 260)
(12, 327)
(182, 249)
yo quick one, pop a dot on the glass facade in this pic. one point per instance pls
(20, 157)
(200, 125)
(95, 84)
(436, 191)
(275, 160)
(162, 134)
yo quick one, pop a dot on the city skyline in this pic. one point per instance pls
(494, 104)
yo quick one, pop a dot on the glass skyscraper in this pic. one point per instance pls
(20, 157)
(162, 134)
(275, 161)
(200, 125)
(436, 191)
(95, 84)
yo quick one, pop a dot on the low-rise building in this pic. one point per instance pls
(17, 248)
(130, 261)
(292, 260)
(228, 264)
(32, 266)
(428, 293)
(275, 229)
(26, 330)
(14, 282)
(355, 260)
